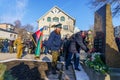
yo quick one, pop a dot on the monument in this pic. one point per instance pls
(104, 37)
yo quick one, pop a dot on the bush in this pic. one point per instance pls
(8, 76)
(2, 71)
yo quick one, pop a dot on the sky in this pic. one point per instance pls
(29, 11)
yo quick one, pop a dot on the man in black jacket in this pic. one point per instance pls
(76, 43)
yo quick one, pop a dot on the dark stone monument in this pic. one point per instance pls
(104, 37)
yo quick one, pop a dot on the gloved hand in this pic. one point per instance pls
(49, 51)
(14, 47)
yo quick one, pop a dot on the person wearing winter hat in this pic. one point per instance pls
(54, 44)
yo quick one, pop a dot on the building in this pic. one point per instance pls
(117, 31)
(7, 31)
(6, 26)
(53, 16)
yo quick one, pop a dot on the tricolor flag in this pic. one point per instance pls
(37, 38)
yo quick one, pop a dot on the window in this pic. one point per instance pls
(11, 35)
(65, 27)
(56, 19)
(62, 18)
(14, 36)
(49, 19)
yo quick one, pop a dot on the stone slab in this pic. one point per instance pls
(103, 24)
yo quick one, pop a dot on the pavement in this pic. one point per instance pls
(8, 56)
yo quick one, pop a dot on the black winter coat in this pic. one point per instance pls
(77, 43)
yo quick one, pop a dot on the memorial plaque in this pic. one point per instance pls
(106, 43)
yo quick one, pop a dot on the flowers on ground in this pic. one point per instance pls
(94, 61)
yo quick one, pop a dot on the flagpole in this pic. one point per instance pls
(33, 41)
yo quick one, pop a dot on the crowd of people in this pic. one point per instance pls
(10, 46)
(70, 47)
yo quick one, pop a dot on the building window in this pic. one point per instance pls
(49, 19)
(55, 19)
(14, 36)
(62, 18)
(65, 27)
(11, 35)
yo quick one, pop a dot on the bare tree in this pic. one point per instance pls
(115, 5)
(18, 23)
(23, 30)
(29, 27)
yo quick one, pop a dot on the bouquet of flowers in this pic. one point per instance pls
(94, 61)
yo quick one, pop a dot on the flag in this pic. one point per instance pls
(36, 35)
(37, 38)
(38, 48)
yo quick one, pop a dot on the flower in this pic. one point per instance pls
(95, 62)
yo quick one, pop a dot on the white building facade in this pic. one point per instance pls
(53, 16)
(7, 32)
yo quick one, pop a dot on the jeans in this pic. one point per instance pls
(68, 60)
(5, 49)
(76, 60)
(46, 50)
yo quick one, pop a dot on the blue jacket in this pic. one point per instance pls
(54, 41)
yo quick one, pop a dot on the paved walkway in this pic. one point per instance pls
(8, 56)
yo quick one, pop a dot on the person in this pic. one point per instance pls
(19, 45)
(54, 45)
(66, 43)
(76, 43)
(1, 45)
(45, 47)
(11, 46)
(5, 46)
(89, 39)
(30, 46)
